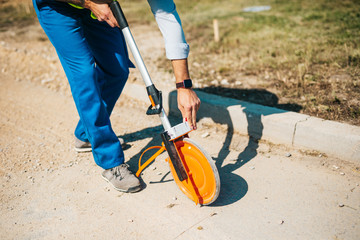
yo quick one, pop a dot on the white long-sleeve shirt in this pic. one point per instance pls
(170, 26)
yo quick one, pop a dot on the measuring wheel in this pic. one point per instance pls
(203, 182)
(193, 169)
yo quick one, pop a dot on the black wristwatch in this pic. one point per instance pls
(187, 83)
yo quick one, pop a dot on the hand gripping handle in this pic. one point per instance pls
(118, 14)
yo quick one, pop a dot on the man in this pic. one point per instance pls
(94, 56)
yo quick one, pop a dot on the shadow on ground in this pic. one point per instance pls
(233, 186)
(257, 96)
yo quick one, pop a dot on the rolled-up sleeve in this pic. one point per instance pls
(170, 26)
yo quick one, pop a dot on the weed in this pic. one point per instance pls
(16, 15)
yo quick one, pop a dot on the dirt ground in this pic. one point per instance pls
(48, 191)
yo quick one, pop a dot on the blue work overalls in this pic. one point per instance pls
(95, 60)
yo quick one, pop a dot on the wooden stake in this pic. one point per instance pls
(27, 8)
(216, 30)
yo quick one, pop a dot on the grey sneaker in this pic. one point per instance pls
(81, 146)
(122, 179)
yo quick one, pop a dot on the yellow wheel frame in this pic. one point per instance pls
(203, 182)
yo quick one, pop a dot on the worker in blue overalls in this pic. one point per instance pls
(94, 56)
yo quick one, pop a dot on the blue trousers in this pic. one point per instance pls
(95, 60)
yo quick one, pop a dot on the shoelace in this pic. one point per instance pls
(117, 171)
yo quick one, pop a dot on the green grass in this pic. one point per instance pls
(296, 50)
(292, 32)
(297, 46)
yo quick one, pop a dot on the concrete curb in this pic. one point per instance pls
(271, 124)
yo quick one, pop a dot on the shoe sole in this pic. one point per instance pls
(89, 149)
(80, 150)
(130, 190)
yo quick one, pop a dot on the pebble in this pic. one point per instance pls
(281, 222)
(252, 167)
(342, 173)
(44, 81)
(336, 167)
(200, 228)
(214, 82)
(341, 205)
(205, 135)
(153, 168)
(288, 155)
(196, 64)
(171, 205)
(159, 173)
(238, 83)
(174, 198)
(224, 82)
(198, 85)
(130, 220)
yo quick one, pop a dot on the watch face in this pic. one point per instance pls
(187, 83)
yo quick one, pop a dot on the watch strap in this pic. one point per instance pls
(187, 83)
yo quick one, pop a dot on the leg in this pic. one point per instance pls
(64, 27)
(112, 63)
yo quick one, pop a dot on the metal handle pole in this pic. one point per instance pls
(137, 57)
(119, 15)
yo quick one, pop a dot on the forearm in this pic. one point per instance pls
(181, 70)
(99, 8)
(76, 2)
(188, 101)
(84, 3)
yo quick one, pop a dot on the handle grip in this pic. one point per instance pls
(118, 14)
(155, 97)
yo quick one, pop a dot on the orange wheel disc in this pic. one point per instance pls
(203, 183)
